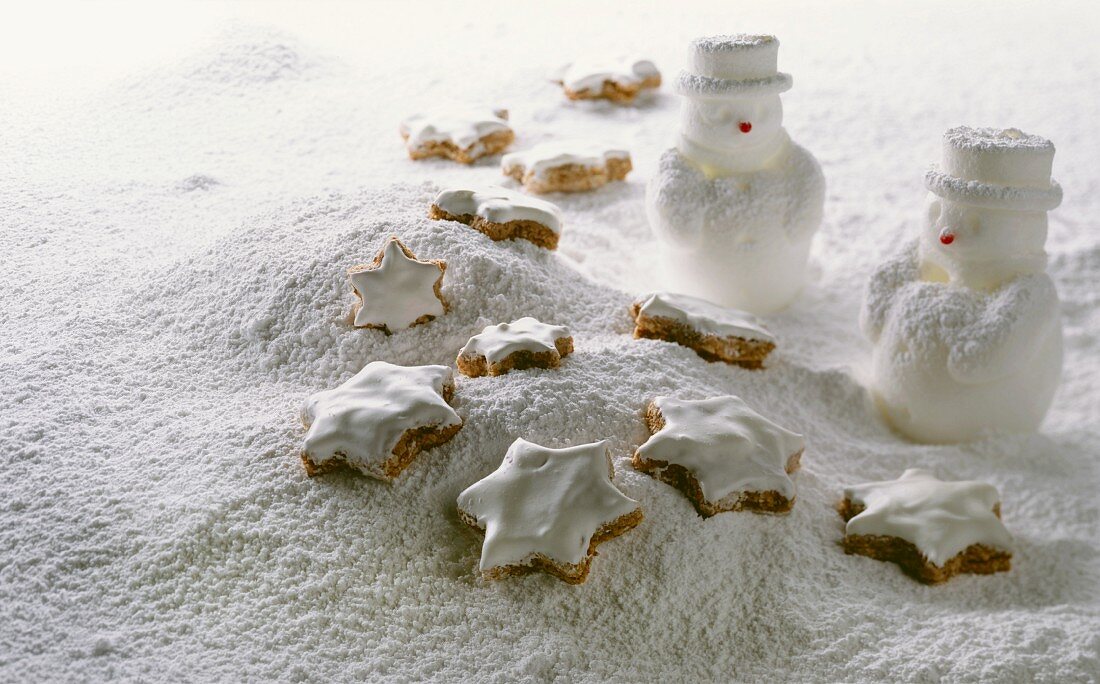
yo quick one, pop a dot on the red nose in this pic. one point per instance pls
(946, 236)
(745, 126)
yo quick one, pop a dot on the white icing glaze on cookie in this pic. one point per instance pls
(498, 342)
(364, 418)
(398, 292)
(705, 317)
(590, 74)
(726, 445)
(544, 501)
(940, 518)
(459, 125)
(499, 205)
(547, 156)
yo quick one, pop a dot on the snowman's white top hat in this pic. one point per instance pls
(732, 66)
(994, 167)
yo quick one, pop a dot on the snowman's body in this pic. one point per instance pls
(965, 321)
(951, 363)
(735, 203)
(740, 239)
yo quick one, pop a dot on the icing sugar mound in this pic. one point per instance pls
(261, 304)
(188, 531)
(244, 55)
(197, 181)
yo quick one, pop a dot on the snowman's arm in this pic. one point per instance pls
(1008, 333)
(678, 201)
(898, 271)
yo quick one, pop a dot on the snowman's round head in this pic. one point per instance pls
(981, 247)
(986, 219)
(732, 124)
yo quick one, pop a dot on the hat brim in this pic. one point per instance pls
(694, 85)
(992, 195)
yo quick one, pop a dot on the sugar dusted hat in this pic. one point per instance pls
(733, 65)
(997, 168)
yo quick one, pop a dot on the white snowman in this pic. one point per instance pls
(965, 321)
(735, 203)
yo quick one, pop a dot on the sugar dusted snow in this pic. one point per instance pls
(161, 332)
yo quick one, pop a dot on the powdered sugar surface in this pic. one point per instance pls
(165, 314)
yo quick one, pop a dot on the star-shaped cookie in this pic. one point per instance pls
(616, 79)
(460, 133)
(716, 333)
(567, 166)
(379, 420)
(397, 290)
(547, 509)
(933, 529)
(523, 343)
(499, 213)
(721, 454)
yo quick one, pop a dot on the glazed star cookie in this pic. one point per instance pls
(716, 333)
(379, 420)
(547, 510)
(569, 166)
(931, 528)
(721, 454)
(500, 213)
(397, 290)
(524, 343)
(618, 80)
(460, 134)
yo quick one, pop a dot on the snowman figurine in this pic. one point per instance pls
(735, 203)
(964, 321)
